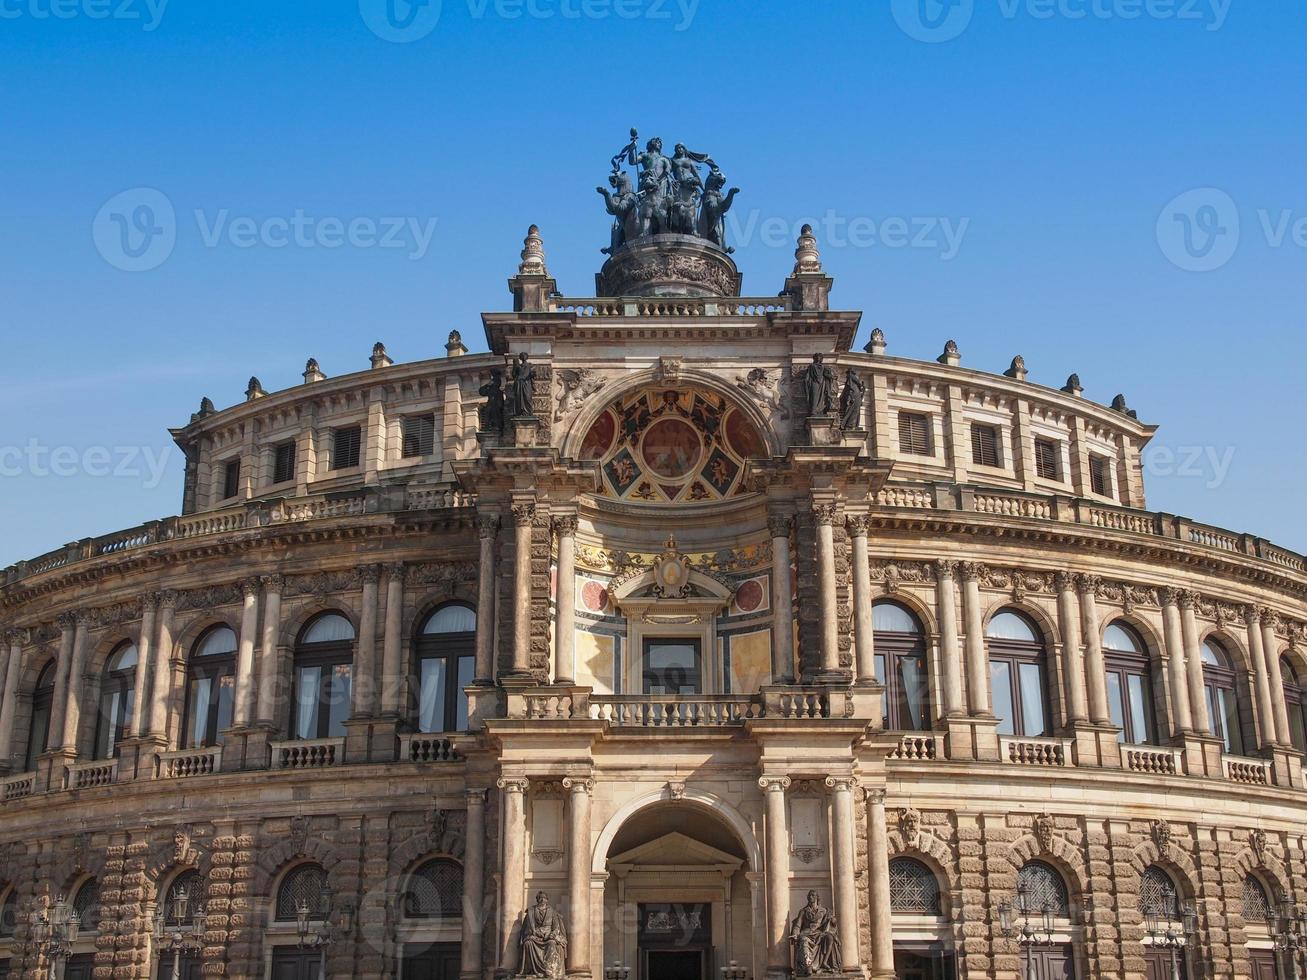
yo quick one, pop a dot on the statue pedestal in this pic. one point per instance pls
(525, 428)
(823, 431)
(489, 439)
(853, 437)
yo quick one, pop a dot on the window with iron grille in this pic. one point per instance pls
(1256, 901)
(190, 885)
(303, 886)
(419, 436)
(283, 463)
(435, 891)
(1040, 887)
(1048, 459)
(986, 445)
(1100, 475)
(87, 906)
(1157, 894)
(231, 479)
(913, 888)
(914, 434)
(345, 446)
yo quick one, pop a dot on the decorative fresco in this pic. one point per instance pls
(672, 445)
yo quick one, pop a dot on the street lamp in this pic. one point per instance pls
(1031, 932)
(55, 931)
(1289, 929)
(617, 971)
(1171, 932)
(185, 936)
(324, 933)
(734, 971)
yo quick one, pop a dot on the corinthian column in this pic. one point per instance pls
(76, 683)
(513, 848)
(392, 671)
(782, 601)
(977, 659)
(1194, 660)
(365, 667)
(13, 667)
(1275, 678)
(864, 636)
(1176, 672)
(63, 667)
(245, 654)
(565, 618)
(882, 928)
(842, 855)
(487, 528)
(144, 644)
(578, 876)
(777, 874)
(161, 689)
(474, 884)
(1072, 655)
(266, 689)
(523, 518)
(1261, 677)
(830, 616)
(951, 667)
(1095, 667)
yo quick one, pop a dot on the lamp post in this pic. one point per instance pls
(617, 971)
(185, 936)
(324, 933)
(1031, 932)
(733, 971)
(1173, 933)
(1289, 929)
(54, 932)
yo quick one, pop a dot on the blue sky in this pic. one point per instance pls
(1040, 153)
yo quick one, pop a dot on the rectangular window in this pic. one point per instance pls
(671, 666)
(345, 446)
(1048, 459)
(1100, 475)
(419, 436)
(914, 434)
(986, 445)
(231, 479)
(283, 463)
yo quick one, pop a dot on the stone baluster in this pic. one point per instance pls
(67, 623)
(1194, 660)
(973, 613)
(144, 647)
(13, 667)
(487, 529)
(365, 654)
(266, 689)
(950, 655)
(1261, 676)
(243, 695)
(1275, 678)
(864, 630)
(842, 856)
(778, 874)
(578, 875)
(824, 514)
(474, 883)
(1095, 666)
(1072, 653)
(523, 519)
(161, 690)
(513, 849)
(392, 669)
(565, 614)
(782, 601)
(882, 926)
(76, 683)
(1177, 674)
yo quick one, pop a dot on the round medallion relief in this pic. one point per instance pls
(672, 449)
(749, 597)
(594, 597)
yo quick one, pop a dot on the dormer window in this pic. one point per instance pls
(346, 444)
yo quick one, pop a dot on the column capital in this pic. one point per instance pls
(774, 784)
(84, 618)
(824, 513)
(149, 601)
(875, 795)
(858, 525)
(1188, 598)
(487, 525)
(168, 599)
(474, 797)
(779, 525)
(1271, 620)
(579, 784)
(1252, 615)
(15, 636)
(250, 588)
(945, 568)
(841, 784)
(565, 525)
(369, 574)
(1064, 581)
(972, 571)
(1169, 596)
(66, 620)
(274, 583)
(396, 571)
(513, 784)
(1089, 584)
(524, 513)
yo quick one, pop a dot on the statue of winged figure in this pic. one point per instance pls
(575, 386)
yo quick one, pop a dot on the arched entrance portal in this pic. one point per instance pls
(680, 899)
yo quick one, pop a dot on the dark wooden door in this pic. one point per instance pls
(918, 965)
(80, 967)
(295, 964)
(1053, 963)
(674, 964)
(1157, 964)
(438, 961)
(188, 968)
(1262, 963)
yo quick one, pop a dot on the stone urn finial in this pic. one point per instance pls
(254, 390)
(380, 359)
(312, 372)
(1018, 369)
(533, 254)
(806, 257)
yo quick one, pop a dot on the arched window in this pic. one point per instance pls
(304, 886)
(434, 891)
(1040, 886)
(1222, 697)
(210, 687)
(1129, 684)
(1257, 905)
(1018, 665)
(9, 914)
(1296, 701)
(324, 664)
(913, 888)
(185, 897)
(445, 655)
(86, 903)
(1158, 895)
(38, 735)
(117, 691)
(900, 644)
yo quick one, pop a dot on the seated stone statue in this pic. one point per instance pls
(817, 951)
(543, 942)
